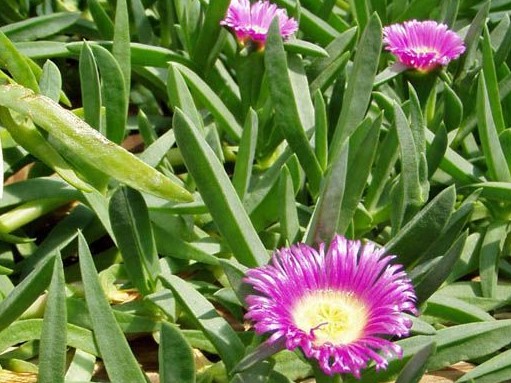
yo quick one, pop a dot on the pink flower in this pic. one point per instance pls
(251, 22)
(339, 307)
(423, 45)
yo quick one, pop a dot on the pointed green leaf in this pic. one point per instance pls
(210, 99)
(50, 81)
(362, 154)
(25, 293)
(423, 228)
(101, 19)
(289, 225)
(90, 87)
(496, 369)
(491, 82)
(17, 65)
(469, 341)
(175, 356)
(360, 84)
(495, 160)
(121, 42)
(85, 142)
(52, 355)
(119, 361)
(440, 270)
(416, 366)
(209, 32)
(287, 113)
(246, 154)
(491, 249)
(218, 193)
(215, 328)
(113, 94)
(129, 218)
(323, 224)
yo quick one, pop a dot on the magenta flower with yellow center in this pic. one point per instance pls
(340, 307)
(252, 21)
(423, 45)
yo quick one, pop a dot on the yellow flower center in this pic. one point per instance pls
(334, 317)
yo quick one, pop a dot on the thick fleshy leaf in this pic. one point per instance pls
(25, 293)
(90, 87)
(496, 369)
(423, 228)
(17, 65)
(491, 249)
(85, 141)
(286, 102)
(495, 160)
(175, 356)
(218, 193)
(129, 218)
(215, 328)
(121, 42)
(52, 356)
(469, 341)
(113, 92)
(119, 361)
(416, 366)
(40, 27)
(246, 154)
(360, 84)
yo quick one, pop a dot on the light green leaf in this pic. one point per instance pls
(85, 142)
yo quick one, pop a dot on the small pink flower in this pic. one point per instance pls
(252, 21)
(423, 45)
(339, 305)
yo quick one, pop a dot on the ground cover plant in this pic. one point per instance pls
(235, 191)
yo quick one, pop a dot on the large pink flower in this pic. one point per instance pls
(252, 21)
(339, 308)
(423, 45)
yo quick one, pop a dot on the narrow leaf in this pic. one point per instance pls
(286, 108)
(489, 257)
(113, 93)
(25, 293)
(497, 164)
(424, 227)
(218, 193)
(17, 65)
(90, 87)
(121, 365)
(129, 218)
(52, 356)
(121, 42)
(85, 143)
(174, 348)
(246, 154)
(360, 85)
(215, 328)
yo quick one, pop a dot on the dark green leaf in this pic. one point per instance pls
(132, 229)
(175, 356)
(218, 193)
(214, 327)
(119, 361)
(52, 356)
